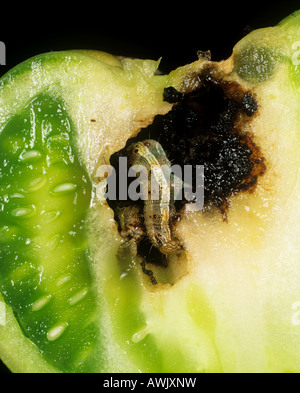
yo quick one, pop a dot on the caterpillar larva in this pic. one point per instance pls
(157, 211)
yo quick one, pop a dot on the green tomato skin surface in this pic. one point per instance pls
(66, 303)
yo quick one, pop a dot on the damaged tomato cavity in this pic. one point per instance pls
(206, 126)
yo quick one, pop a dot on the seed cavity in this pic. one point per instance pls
(64, 279)
(78, 296)
(83, 355)
(24, 272)
(41, 303)
(31, 155)
(140, 335)
(56, 331)
(8, 233)
(64, 189)
(23, 212)
(63, 139)
(54, 241)
(13, 145)
(17, 195)
(37, 184)
(51, 215)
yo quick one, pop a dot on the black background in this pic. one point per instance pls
(171, 30)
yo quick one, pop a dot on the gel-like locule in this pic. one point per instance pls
(44, 197)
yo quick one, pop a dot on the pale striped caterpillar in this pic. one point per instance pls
(157, 211)
(132, 229)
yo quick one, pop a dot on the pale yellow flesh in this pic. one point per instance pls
(246, 269)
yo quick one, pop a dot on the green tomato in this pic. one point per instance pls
(67, 302)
